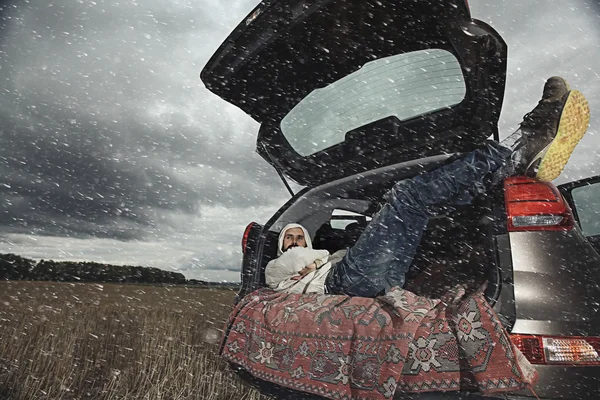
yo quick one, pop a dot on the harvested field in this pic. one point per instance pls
(111, 341)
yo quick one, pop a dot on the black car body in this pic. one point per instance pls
(354, 96)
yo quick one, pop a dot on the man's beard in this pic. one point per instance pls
(289, 247)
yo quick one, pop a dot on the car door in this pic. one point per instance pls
(584, 198)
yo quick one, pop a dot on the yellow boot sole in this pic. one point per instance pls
(574, 121)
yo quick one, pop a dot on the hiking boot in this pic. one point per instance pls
(552, 129)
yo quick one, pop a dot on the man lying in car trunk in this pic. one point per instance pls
(384, 251)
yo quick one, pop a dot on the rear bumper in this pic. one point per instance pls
(271, 389)
(555, 382)
(461, 396)
(564, 383)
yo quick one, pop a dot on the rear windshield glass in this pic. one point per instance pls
(405, 86)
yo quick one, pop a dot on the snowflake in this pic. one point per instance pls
(265, 354)
(344, 370)
(423, 355)
(468, 327)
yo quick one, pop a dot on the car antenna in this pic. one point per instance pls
(274, 164)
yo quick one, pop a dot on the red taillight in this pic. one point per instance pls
(533, 205)
(245, 237)
(559, 350)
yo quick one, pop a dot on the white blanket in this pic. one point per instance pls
(280, 271)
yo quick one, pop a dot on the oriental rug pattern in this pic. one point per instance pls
(344, 347)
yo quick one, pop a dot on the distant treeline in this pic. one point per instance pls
(14, 267)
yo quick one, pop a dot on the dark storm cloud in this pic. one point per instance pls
(106, 129)
(55, 183)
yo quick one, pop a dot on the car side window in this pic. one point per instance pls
(342, 223)
(340, 219)
(340, 231)
(587, 204)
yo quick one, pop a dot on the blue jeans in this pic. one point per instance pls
(384, 251)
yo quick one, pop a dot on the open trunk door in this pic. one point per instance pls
(342, 87)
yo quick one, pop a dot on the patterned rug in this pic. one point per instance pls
(344, 347)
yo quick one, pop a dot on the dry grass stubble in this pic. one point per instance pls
(109, 341)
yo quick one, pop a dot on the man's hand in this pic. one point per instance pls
(305, 271)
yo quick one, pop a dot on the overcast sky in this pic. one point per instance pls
(112, 150)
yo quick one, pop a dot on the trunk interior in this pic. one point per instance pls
(456, 248)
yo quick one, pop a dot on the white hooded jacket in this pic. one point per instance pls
(279, 271)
